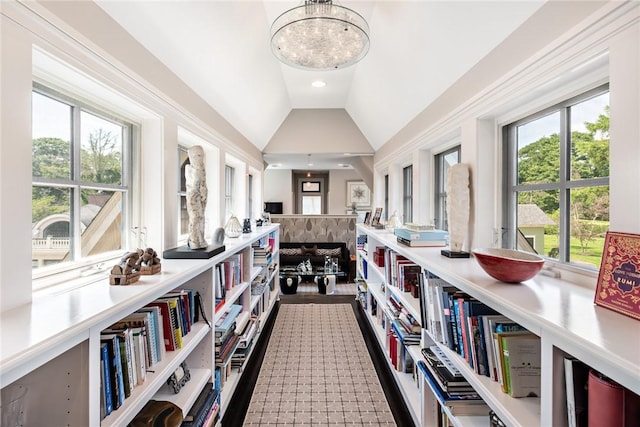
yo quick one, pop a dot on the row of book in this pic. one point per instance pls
(262, 251)
(401, 273)
(492, 344)
(228, 274)
(226, 338)
(138, 342)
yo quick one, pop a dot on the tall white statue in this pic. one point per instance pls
(458, 205)
(196, 180)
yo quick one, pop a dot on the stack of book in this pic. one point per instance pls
(226, 338)
(205, 411)
(449, 386)
(246, 331)
(261, 252)
(421, 238)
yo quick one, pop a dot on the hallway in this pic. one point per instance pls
(317, 370)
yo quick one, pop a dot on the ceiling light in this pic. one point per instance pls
(319, 35)
(318, 83)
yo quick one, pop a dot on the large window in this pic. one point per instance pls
(443, 162)
(229, 176)
(407, 193)
(80, 183)
(558, 185)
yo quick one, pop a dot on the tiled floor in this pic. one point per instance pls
(317, 372)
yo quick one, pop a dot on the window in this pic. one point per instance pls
(80, 182)
(558, 184)
(443, 162)
(386, 196)
(407, 193)
(183, 215)
(229, 173)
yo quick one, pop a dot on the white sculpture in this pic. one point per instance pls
(196, 196)
(458, 202)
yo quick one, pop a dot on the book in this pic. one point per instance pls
(499, 352)
(420, 243)
(201, 407)
(410, 235)
(115, 370)
(576, 375)
(618, 285)
(105, 376)
(522, 364)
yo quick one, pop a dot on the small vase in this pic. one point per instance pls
(233, 228)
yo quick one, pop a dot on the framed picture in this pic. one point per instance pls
(367, 217)
(376, 217)
(358, 193)
(310, 186)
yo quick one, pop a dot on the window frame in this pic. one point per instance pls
(564, 185)
(75, 184)
(440, 187)
(407, 194)
(229, 183)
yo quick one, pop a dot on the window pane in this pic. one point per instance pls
(590, 138)
(539, 150)
(537, 221)
(184, 216)
(184, 161)
(100, 221)
(51, 231)
(101, 157)
(589, 222)
(311, 205)
(51, 130)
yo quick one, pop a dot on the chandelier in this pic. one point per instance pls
(320, 35)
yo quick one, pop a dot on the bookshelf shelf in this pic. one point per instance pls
(561, 313)
(57, 337)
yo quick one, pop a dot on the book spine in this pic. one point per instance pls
(106, 379)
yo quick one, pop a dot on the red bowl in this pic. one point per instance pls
(508, 265)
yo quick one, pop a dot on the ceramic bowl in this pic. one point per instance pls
(508, 265)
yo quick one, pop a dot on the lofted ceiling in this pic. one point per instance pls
(221, 49)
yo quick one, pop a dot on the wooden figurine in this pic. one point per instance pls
(126, 271)
(148, 262)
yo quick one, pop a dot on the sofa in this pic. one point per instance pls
(293, 253)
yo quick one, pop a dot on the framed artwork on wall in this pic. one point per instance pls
(358, 194)
(310, 186)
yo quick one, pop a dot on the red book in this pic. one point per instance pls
(618, 286)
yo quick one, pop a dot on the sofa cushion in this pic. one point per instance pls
(290, 251)
(309, 250)
(333, 252)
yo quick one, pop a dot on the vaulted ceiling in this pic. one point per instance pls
(221, 49)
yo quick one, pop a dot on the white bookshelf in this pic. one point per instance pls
(56, 340)
(561, 313)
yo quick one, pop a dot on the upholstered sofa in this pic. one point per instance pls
(293, 253)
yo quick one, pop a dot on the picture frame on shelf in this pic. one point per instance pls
(367, 217)
(358, 194)
(179, 378)
(375, 220)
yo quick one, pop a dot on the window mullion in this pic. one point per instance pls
(563, 194)
(76, 204)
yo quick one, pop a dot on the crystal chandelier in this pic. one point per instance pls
(320, 35)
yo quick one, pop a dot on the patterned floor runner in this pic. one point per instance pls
(317, 371)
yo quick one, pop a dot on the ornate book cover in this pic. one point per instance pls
(618, 286)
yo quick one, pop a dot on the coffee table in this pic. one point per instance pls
(297, 276)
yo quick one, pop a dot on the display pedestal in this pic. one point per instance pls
(185, 252)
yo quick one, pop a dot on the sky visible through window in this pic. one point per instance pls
(51, 119)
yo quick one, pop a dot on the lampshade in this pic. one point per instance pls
(320, 35)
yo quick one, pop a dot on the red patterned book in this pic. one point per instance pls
(618, 286)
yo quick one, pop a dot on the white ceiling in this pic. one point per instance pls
(418, 49)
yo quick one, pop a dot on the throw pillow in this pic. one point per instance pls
(290, 251)
(309, 251)
(333, 252)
